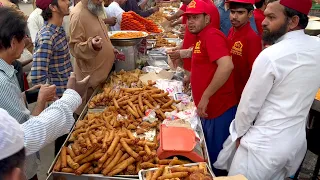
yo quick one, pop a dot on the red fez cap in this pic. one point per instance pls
(302, 6)
(243, 1)
(43, 4)
(196, 7)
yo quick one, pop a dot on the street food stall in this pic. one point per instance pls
(130, 127)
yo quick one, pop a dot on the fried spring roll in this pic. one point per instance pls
(147, 165)
(147, 149)
(103, 160)
(140, 102)
(111, 137)
(128, 149)
(104, 141)
(112, 163)
(129, 90)
(112, 156)
(123, 157)
(71, 163)
(91, 157)
(138, 167)
(148, 175)
(131, 111)
(184, 169)
(168, 104)
(130, 135)
(71, 153)
(82, 168)
(93, 139)
(76, 149)
(88, 143)
(174, 175)
(160, 95)
(158, 173)
(113, 145)
(175, 161)
(82, 156)
(165, 161)
(57, 166)
(146, 102)
(122, 166)
(64, 157)
(67, 170)
(115, 103)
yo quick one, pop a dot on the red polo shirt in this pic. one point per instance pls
(245, 46)
(205, 53)
(189, 38)
(258, 17)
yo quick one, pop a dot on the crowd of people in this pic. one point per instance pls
(253, 72)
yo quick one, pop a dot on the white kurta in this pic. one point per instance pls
(114, 10)
(272, 113)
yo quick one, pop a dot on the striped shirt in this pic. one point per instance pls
(39, 130)
(51, 58)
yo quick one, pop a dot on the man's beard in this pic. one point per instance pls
(95, 9)
(271, 37)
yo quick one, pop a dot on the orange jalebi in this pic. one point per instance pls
(127, 35)
(132, 21)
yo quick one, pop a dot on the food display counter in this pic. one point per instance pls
(121, 109)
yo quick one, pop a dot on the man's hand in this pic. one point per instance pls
(155, 9)
(116, 51)
(175, 54)
(169, 18)
(35, 87)
(47, 93)
(110, 21)
(175, 57)
(186, 80)
(202, 107)
(27, 42)
(79, 86)
(97, 43)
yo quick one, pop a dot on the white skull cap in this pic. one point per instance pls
(11, 135)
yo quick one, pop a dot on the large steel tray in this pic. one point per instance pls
(70, 176)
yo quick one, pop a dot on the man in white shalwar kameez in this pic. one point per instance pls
(267, 137)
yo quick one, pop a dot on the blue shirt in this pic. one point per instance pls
(225, 23)
(51, 58)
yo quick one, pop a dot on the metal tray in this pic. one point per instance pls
(142, 173)
(71, 176)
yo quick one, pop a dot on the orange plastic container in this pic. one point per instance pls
(179, 141)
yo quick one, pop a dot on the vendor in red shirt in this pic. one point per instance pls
(261, 5)
(190, 39)
(245, 45)
(211, 78)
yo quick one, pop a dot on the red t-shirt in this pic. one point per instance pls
(205, 53)
(258, 17)
(189, 38)
(245, 45)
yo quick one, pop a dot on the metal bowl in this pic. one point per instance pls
(126, 41)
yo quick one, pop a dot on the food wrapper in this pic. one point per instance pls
(151, 69)
(150, 116)
(170, 86)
